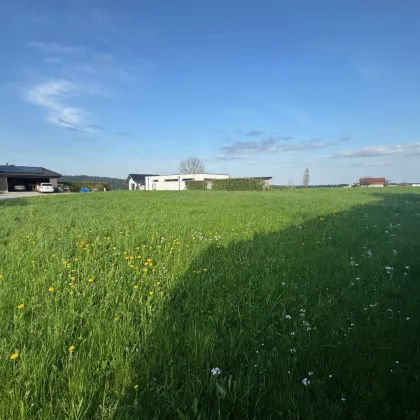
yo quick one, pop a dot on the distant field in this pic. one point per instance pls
(119, 305)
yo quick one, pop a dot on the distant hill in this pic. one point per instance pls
(114, 183)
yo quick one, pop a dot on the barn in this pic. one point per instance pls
(25, 178)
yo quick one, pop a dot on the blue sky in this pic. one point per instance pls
(253, 88)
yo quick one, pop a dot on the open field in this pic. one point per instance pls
(119, 305)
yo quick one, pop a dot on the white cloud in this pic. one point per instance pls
(54, 48)
(53, 97)
(374, 151)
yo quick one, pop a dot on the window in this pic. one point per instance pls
(171, 180)
(188, 179)
(155, 180)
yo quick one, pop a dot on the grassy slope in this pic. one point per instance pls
(228, 270)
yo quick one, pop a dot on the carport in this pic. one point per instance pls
(27, 176)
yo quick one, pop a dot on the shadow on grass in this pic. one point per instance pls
(348, 324)
(13, 202)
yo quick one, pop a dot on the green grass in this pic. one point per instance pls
(228, 270)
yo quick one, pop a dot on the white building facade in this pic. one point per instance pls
(178, 182)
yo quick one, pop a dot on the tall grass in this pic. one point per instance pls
(123, 304)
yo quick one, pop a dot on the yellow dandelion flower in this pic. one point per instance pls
(135, 386)
(158, 283)
(138, 257)
(1, 276)
(126, 258)
(151, 293)
(131, 257)
(136, 286)
(70, 284)
(204, 269)
(90, 281)
(131, 265)
(144, 270)
(72, 278)
(150, 264)
(14, 356)
(51, 289)
(71, 349)
(146, 263)
(21, 306)
(76, 259)
(149, 260)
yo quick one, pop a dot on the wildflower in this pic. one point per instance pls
(388, 268)
(51, 289)
(20, 306)
(216, 371)
(90, 281)
(76, 259)
(14, 356)
(1, 276)
(158, 283)
(292, 333)
(407, 267)
(288, 317)
(292, 351)
(144, 270)
(131, 265)
(135, 386)
(310, 373)
(71, 349)
(306, 381)
(151, 293)
(343, 399)
(408, 318)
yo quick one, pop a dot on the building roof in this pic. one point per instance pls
(13, 170)
(372, 180)
(139, 178)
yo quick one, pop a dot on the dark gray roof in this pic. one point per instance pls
(12, 170)
(139, 178)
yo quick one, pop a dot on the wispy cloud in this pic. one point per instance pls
(412, 148)
(53, 96)
(254, 133)
(79, 72)
(242, 149)
(54, 48)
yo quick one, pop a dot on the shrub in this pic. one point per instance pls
(196, 185)
(238, 184)
(75, 186)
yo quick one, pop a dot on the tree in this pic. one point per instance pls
(306, 178)
(192, 165)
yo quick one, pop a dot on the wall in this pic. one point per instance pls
(177, 182)
(54, 182)
(3, 184)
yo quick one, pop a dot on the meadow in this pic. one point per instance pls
(206, 305)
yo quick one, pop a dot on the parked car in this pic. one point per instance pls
(45, 188)
(66, 188)
(19, 187)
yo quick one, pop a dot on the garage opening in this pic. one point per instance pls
(24, 184)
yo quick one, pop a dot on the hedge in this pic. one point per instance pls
(238, 184)
(75, 186)
(196, 185)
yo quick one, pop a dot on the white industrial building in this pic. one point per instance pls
(177, 182)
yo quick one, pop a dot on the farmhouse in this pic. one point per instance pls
(177, 182)
(25, 176)
(137, 181)
(372, 182)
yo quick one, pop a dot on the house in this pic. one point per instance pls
(26, 177)
(177, 182)
(372, 182)
(266, 180)
(137, 181)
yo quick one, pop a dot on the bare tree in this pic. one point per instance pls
(306, 178)
(192, 165)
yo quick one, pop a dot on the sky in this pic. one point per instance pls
(253, 88)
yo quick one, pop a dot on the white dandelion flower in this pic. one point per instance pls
(306, 381)
(216, 371)
(288, 317)
(292, 351)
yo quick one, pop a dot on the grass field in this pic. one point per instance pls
(123, 304)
